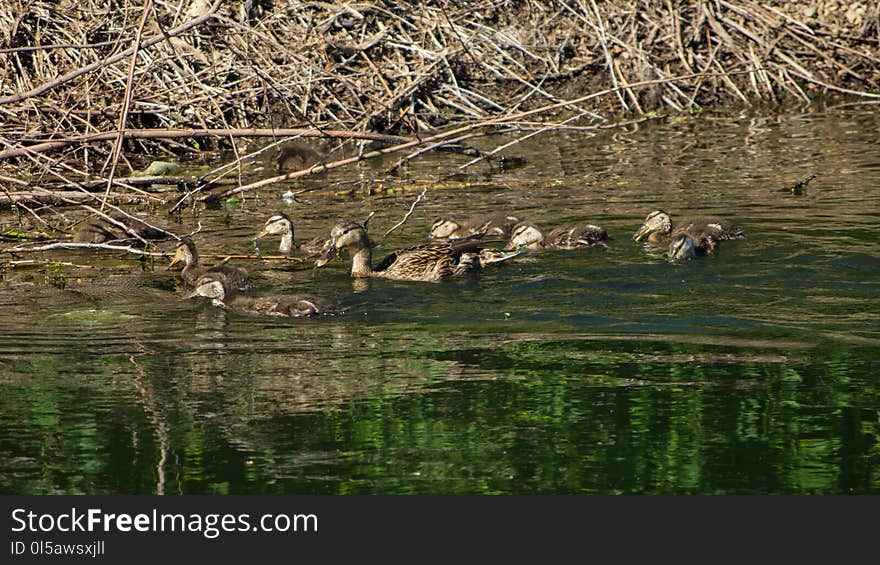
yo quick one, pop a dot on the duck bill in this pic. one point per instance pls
(175, 261)
(262, 234)
(675, 257)
(326, 256)
(641, 233)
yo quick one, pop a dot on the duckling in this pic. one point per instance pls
(685, 245)
(497, 223)
(297, 157)
(681, 247)
(315, 246)
(658, 229)
(575, 236)
(102, 230)
(216, 287)
(186, 253)
(280, 223)
(429, 262)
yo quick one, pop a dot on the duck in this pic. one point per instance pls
(216, 287)
(574, 236)
(704, 233)
(684, 246)
(681, 247)
(298, 156)
(102, 230)
(186, 253)
(280, 224)
(427, 262)
(658, 228)
(497, 223)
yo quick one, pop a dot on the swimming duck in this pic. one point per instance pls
(298, 156)
(574, 236)
(186, 253)
(681, 246)
(658, 228)
(280, 224)
(427, 262)
(216, 287)
(102, 230)
(498, 223)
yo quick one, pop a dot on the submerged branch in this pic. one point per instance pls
(30, 248)
(39, 248)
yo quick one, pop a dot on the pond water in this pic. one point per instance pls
(600, 371)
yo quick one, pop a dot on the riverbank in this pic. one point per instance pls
(395, 67)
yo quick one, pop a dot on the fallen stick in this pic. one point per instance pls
(75, 245)
(58, 198)
(408, 214)
(41, 147)
(128, 249)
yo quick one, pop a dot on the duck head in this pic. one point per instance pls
(657, 221)
(279, 224)
(184, 253)
(344, 235)
(681, 247)
(525, 234)
(443, 227)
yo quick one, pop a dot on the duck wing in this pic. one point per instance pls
(575, 236)
(315, 246)
(499, 224)
(236, 278)
(296, 306)
(715, 228)
(429, 261)
(301, 306)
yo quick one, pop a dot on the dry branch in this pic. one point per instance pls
(432, 72)
(407, 215)
(44, 146)
(445, 136)
(116, 58)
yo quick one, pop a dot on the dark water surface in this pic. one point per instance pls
(599, 371)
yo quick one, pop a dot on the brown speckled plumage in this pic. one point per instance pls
(187, 254)
(498, 223)
(427, 262)
(216, 287)
(705, 232)
(573, 236)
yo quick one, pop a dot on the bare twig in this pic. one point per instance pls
(126, 102)
(408, 214)
(111, 60)
(29, 248)
(196, 134)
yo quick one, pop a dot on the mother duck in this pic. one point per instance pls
(427, 262)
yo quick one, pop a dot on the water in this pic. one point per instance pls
(598, 371)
